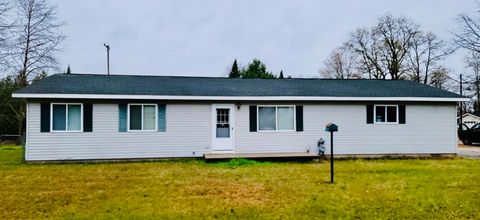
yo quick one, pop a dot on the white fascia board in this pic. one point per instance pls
(235, 98)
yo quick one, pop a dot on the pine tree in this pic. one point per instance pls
(256, 69)
(235, 72)
(69, 71)
(281, 75)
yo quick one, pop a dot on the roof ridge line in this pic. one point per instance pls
(219, 77)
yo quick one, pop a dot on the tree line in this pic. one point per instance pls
(393, 48)
(255, 69)
(30, 39)
(398, 48)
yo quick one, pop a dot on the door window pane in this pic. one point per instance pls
(285, 118)
(74, 117)
(149, 117)
(135, 117)
(266, 116)
(380, 113)
(391, 113)
(223, 124)
(59, 117)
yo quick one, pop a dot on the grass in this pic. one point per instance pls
(238, 162)
(10, 154)
(365, 189)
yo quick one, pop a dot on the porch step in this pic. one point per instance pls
(214, 156)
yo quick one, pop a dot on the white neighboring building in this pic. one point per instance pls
(470, 119)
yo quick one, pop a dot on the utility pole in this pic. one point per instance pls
(108, 57)
(461, 103)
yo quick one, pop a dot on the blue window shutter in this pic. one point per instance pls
(122, 117)
(162, 119)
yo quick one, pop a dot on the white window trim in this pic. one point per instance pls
(142, 130)
(66, 119)
(383, 123)
(276, 118)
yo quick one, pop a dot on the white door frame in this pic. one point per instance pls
(223, 145)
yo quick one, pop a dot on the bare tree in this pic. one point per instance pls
(472, 78)
(384, 48)
(341, 64)
(439, 78)
(468, 35)
(396, 34)
(425, 52)
(38, 39)
(5, 27)
(366, 45)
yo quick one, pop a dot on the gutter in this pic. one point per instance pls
(235, 98)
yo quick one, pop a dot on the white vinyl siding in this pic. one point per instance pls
(188, 135)
(430, 129)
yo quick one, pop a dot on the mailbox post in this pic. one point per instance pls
(331, 128)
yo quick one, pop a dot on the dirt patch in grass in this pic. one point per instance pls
(236, 192)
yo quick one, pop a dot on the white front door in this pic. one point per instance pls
(223, 118)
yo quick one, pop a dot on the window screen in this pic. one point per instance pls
(266, 118)
(74, 117)
(285, 118)
(149, 117)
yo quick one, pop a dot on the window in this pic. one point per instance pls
(67, 117)
(386, 114)
(276, 118)
(142, 117)
(223, 123)
(477, 126)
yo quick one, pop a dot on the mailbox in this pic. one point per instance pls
(331, 127)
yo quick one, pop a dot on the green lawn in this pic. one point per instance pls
(366, 189)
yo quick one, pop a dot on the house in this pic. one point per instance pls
(470, 119)
(82, 117)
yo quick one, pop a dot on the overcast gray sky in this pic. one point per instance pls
(202, 38)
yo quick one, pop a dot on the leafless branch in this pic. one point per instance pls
(341, 64)
(39, 38)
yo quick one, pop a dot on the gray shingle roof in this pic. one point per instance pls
(211, 86)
